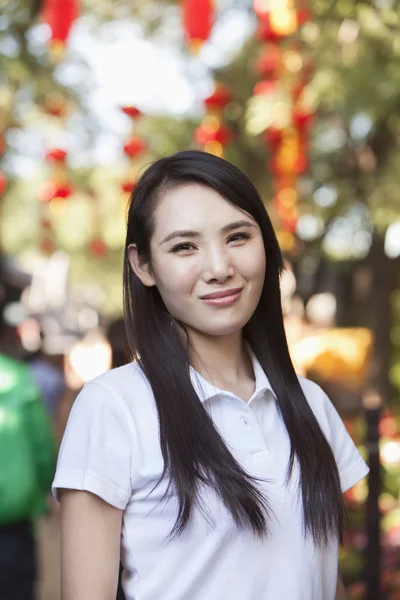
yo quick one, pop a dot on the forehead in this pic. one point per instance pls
(194, 207)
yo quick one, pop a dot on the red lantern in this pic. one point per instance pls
(128, 186)
(131, 111)
(301, 163)
(3, 183)
(59, 15)
(290, 224)
(56, 155)
(303, 15)
(55, 104)
(134, 147)
(197, 20)
(269, 61)
(46, 225)
(204, 135)
(298, 89)
(97, 247)
(219, 98)
(272, 137)
(51, 191)
(288, 180)
(265, 32)
(265, 87)
(302, 119)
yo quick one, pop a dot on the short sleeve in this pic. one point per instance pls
(96, 450)
(351, 465)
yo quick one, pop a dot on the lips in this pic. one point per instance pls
(221, 294)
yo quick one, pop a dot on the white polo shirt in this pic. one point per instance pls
(111, 448)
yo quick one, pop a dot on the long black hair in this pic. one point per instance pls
(194, 452)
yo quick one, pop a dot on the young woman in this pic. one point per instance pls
(206, 464)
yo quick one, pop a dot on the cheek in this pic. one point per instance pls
(260, 267)
(174, 276)
(253, 267)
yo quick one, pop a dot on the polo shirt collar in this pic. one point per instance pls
(206, 390)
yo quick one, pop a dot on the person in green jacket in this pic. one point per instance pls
(27, 465)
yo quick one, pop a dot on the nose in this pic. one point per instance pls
(217, 267)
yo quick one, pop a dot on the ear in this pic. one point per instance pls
(140, 268)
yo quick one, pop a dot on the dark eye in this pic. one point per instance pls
(238, 237)
(184, 247)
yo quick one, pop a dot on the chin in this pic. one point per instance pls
(223, 329)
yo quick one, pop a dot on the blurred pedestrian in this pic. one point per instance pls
(49, 379)
(27, 464)
(206, 464)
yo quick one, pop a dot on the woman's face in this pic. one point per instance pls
(207, 260)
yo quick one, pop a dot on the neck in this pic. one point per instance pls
(224, 361)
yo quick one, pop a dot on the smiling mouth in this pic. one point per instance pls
(221, 294)
(223, 298)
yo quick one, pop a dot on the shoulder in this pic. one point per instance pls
(315, 395)
(320, 404)
(128, 379)
(124, 389)
(325, 412)
(350, 464)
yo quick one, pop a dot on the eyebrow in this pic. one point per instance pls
(192, 234)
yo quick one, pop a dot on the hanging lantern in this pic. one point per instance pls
(128, 186)
(290, 223)
(55, 104)
(134, 147)
(301, 118)
(284, 73)
(261, 8)
(301, 163)
(212, 134)
(205, 134)
(219, 98)
(286, 198)
(265, 32)
(269, 61)
(298, 89)
(272, 137)
(60, 15)
(46, 224)
(303, 16)
(46, 244)
(53, 191)
(198, 17)
(57, 155)
(264, 88)
(3, 183)
(98, 247)
(131, 111)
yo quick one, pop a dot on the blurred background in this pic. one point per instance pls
(304, 97)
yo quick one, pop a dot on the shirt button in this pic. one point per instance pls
(245, 421)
